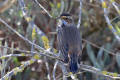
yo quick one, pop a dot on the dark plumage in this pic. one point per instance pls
(69, 43)
(65, 14)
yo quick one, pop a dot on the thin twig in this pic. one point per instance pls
(80, 13)
(104, 6)
(115, 6)
(6, 4)
(39, 53)
(54, 70)
(112, 53)
(47, 53)
(43, 9)
(17, 69)
(99, 72)
(25, 39)
(47, 67)
(14, 55)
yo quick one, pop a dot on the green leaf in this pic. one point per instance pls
(117, 28)
(99, 57)
(20, 13)
(91, 55)
(106, 54)
(118, 59)
(15, 60)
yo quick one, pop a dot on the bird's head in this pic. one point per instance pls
(65, 19)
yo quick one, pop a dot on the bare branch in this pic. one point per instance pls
(99, 72)
(43, 9)
(17, 69)
(25, 39)
(6, 4)
(104, 6)
(54, 70)
(80, 13)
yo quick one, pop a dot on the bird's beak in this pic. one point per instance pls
(59, 22)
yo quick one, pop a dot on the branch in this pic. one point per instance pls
(80, 13)
(115, 6)
(54, 70)
(99, 72)
(14, 55)
(104, 6)
(43, 9)
(18, 69)
(6, 4)
(47, 53)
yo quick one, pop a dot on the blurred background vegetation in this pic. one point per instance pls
(101, 48)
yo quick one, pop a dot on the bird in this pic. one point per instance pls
(69, 41)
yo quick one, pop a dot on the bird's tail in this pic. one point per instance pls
(73, 64)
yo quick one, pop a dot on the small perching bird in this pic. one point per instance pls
(69, 41)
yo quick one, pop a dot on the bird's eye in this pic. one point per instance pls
(66, 18)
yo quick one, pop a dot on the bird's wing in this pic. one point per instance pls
(73, 38)
(62, 44)
(74, 42)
